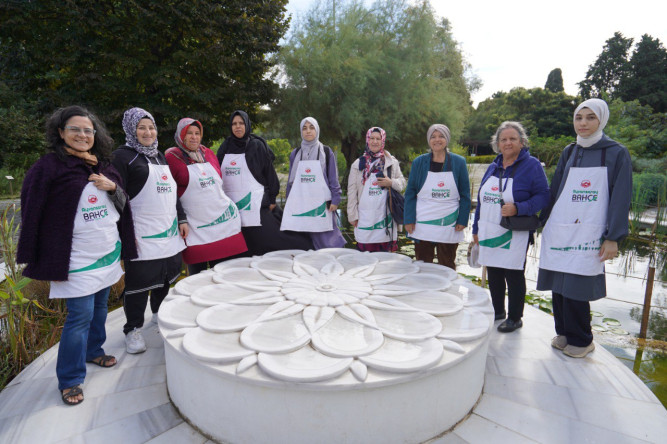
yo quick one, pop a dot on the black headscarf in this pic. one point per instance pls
(240, 143)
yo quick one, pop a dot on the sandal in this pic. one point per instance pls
(73, 392)
(103, 361)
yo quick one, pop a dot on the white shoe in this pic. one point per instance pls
(578, 352)
(154, 319)
(559, 342)
(134, 342)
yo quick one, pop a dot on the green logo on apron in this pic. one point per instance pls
(443, 221)
(320, 211)
(244, 204)
(502, 241)
(227, 215)
(586, 246)
(382, 224)
(104, 261)
(170, 232)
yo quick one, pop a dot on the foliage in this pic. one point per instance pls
(605, 74)
(651, 186)
(555, 81)
(647, 75)
(643, 132)
(393, 65)
(21, 126)
(549, 149)
(175, 58)
(481, 159)
(543, 113)
(281, 149)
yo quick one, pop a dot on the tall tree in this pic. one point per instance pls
(176, 58)
(647, 79)
(555, 81)
(604, 76)
(393, 65)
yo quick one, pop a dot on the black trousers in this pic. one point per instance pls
(134, 306)
(201, 266)
(573, 320)
(516, 291)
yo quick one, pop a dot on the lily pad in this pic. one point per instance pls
(596, 314)
(619, 331)
(600, 328)
(611, 322)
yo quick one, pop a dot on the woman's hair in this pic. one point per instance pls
(507, 125)
(102, 143)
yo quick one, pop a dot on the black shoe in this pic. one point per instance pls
(509, 326)
(500, 316)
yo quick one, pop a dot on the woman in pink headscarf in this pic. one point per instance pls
(215, 224)
(371, 176)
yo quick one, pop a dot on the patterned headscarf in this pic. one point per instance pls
(371, 162)
(131, 119)
(601, 110)
(179, 136)
(312, 150)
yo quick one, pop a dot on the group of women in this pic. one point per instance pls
(85, 208)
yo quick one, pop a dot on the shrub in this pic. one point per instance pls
(651, 187)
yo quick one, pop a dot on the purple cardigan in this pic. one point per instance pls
(51, 191)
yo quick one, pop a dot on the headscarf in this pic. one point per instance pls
(601, 110)
(179, 136)
(240, 142)
(131, 119)
(312, 150)
(371, 162)
(441, 129)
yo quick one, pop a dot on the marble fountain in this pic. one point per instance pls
(326, 346)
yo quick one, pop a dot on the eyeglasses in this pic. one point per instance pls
(76, 130)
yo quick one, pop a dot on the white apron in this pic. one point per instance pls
(240, 185)
(95, 259)
(154, 215)
(572, 237)
(306, 207)
(373, 217)
(438, 209)
(498, 247)
(212, 216)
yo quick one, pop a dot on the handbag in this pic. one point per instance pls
(395, 202)
(517, 223)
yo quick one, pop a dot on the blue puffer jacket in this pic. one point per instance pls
(530, 189)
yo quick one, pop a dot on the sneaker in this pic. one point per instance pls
(509, 326)
(134, 342)
(559, 342)
(578, 352)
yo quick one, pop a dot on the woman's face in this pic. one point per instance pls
(78, 133)
(375, 142)
(437, 142)
(238, 127)
(308, 132)
(192, 138)
(146, 132)
(585, 122)
(509, 143)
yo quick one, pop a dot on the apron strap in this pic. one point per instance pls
(603, 157)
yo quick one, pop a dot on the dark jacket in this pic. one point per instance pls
(49, 197)
(530, 189)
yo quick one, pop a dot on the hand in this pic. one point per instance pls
(384, 182)
(271, 207)
(475, 239)
(354, 223)
(459, 227)
(410, 228)
(101, 182)
(183, 229)
(608, 250)
(333, 207)
(508, 210)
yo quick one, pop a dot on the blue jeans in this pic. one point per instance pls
(82, 338)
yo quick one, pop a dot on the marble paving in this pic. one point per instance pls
(532, 393)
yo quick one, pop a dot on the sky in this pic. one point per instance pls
(518, 42)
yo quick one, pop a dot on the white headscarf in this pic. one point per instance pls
(601, 111)
(309, 150)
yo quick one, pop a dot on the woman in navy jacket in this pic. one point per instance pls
(517, 179)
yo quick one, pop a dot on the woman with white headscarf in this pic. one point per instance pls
(314, 190)
(588, 216)
(371, 176)
(437, 200)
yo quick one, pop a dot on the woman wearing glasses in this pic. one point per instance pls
(159, 222)
(72, 206)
